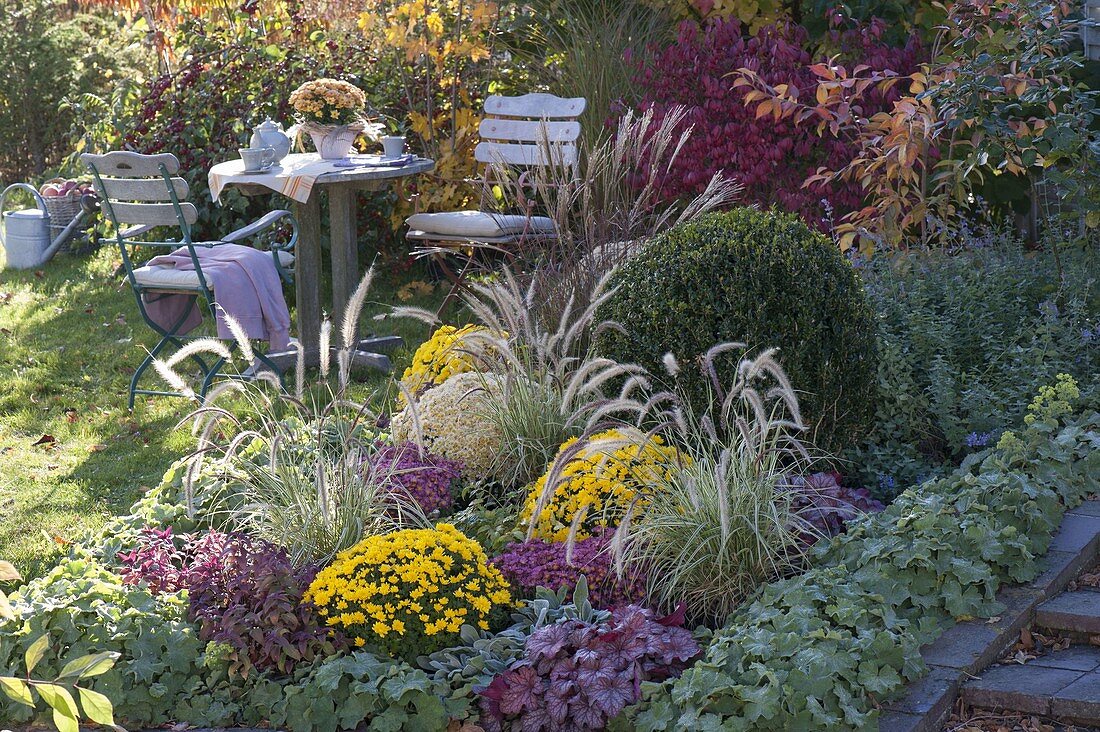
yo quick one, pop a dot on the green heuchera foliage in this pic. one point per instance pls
(83, 608)
(965, 341)
(763, 279)
(815, 651)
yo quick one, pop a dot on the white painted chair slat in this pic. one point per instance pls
(535, 106)
(495, 153)
(143, 189)
(154, 214)
(132, 165)
(529, 130)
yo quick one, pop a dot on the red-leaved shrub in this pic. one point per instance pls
(770, 158)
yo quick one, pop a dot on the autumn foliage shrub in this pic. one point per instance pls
(769, 157)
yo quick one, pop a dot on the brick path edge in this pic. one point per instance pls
(970, 647)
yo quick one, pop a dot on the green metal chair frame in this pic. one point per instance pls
(141, 193)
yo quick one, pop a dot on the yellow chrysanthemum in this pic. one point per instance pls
(601, 480)
(380, 579)
(439, 358)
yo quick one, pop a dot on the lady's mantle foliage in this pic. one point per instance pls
(817, 651)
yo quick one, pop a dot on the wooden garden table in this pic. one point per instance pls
(341, 185)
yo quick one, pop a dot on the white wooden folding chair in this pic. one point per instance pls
(143, 193)
(529, 131)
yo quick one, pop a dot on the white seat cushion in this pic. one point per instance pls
(163, 276)
(479, 223)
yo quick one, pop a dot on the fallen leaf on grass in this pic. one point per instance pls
(98, 447)
(8, 572)
(56, 538)
(39, 274)
(45, 440)
(71, 415)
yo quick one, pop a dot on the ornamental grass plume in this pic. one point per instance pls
(725, 520)
(294, 459)
(604, 206)
(552, 386)
(540, 383)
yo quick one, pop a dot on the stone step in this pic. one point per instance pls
(1071, 612)
(1063, 685)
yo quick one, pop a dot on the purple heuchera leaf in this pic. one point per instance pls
(611, 692)
(548, 643)
(577, 675)
(822, 501)
(531, 564)
(424, 477)
(522, 692)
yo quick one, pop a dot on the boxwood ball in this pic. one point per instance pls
(763, 278)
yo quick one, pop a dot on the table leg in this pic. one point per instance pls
(345, 249)
(307, 273)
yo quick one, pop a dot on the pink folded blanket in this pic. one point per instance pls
(246, 286)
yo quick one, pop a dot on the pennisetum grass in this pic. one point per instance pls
(296, 459)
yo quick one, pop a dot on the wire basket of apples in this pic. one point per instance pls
(63, 202)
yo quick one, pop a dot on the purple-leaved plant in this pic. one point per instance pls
(249, 597)
(243, 592)
(577, 675)
(426, 478)
(822, 501)
(531, 564)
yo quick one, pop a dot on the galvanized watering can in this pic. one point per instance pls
(25, 234)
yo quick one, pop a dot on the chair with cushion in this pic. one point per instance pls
(143, 193)
(530, 131)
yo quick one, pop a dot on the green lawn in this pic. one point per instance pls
(71, 454)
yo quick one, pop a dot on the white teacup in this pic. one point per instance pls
(393, 146)
(257, 158)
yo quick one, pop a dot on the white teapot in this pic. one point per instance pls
(269, 134)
